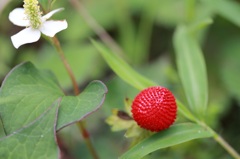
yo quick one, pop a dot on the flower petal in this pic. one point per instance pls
(48, 15)
(51, 27)
(18, 17)
(25, 36)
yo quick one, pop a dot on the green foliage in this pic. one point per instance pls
(174, 135)
(129, 75)
(35, 140)
(161, 39)
(122, 69)
(30, 90)
(27, 90)
(192, 70)
(75, 108)
(80, 56)
(122, 120)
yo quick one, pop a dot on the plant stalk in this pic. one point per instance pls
(226, 146)
(66, 64)
(221, 141)
(80, 124)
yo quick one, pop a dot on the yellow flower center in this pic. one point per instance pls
(32, 10)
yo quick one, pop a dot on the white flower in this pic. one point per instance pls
(34, 27)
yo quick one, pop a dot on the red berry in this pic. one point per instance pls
(154, 108)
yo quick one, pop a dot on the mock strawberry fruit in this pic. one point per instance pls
(154, 108)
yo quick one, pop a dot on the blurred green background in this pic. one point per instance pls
(144, 31)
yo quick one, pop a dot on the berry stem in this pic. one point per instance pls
(226, 146)
(219, 139)
(216, 136)
(80, 124)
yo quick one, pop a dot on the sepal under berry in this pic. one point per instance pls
(122, 120)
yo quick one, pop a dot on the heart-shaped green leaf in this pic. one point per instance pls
(176, 134)
(26, 95)
(35, 140)
(76, 108)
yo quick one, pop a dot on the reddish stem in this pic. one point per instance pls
(80, 124)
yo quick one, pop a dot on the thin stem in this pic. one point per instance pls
(86, 136)
(80, 124)
(222, 142)
(66, 64)
(226, 146)
(216, 136)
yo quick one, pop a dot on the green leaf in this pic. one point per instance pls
(176, 134)
(122, 69)
(199, 25)
(26, 95)
(228, 9)
(183, 110)
(130, 76)
(35, 140)
(76, 108)
(191, 69)
(31, 92)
